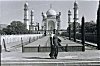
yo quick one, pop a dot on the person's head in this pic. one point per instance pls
(54, 31)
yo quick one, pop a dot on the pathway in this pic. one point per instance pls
(89, 57)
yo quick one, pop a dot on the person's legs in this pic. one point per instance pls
(52, 52)
(52, 49)
(56, 52)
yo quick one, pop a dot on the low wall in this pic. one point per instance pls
(48, 49)
(8, 41)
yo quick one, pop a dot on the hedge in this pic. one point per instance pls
(90, 37)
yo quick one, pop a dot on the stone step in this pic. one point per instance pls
(67, 63)
(47, 49)
(90, 57)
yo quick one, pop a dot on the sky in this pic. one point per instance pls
(12, 10)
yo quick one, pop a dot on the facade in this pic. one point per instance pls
(51, 20)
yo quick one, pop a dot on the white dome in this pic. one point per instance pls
(51, 12)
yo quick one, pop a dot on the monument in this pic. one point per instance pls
(51, 20)
(33, 49)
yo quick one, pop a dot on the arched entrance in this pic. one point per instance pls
(51, 25)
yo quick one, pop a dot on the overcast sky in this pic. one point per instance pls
(11, 10)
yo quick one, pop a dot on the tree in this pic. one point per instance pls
(83, 34)
(98, 27)
(90, 27)
(2, 32)
(77, 27)
(16, 27)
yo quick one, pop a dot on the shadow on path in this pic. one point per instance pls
(35, 58)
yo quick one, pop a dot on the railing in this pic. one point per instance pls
(93, 45)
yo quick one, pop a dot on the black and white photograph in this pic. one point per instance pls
(50, 32)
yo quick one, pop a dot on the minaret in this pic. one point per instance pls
(32, 21)
(26, 18)
(75, 19)
(58, 20)
(69, 22)
(32, 17)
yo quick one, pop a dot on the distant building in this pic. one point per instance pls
(3, 26)
(31, 26)
(51, 20)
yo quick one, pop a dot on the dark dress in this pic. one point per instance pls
(54, 47)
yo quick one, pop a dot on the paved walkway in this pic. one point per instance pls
(88, 54)
(42, 42)
(45, 42)
(87, 57)
(16, 56)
